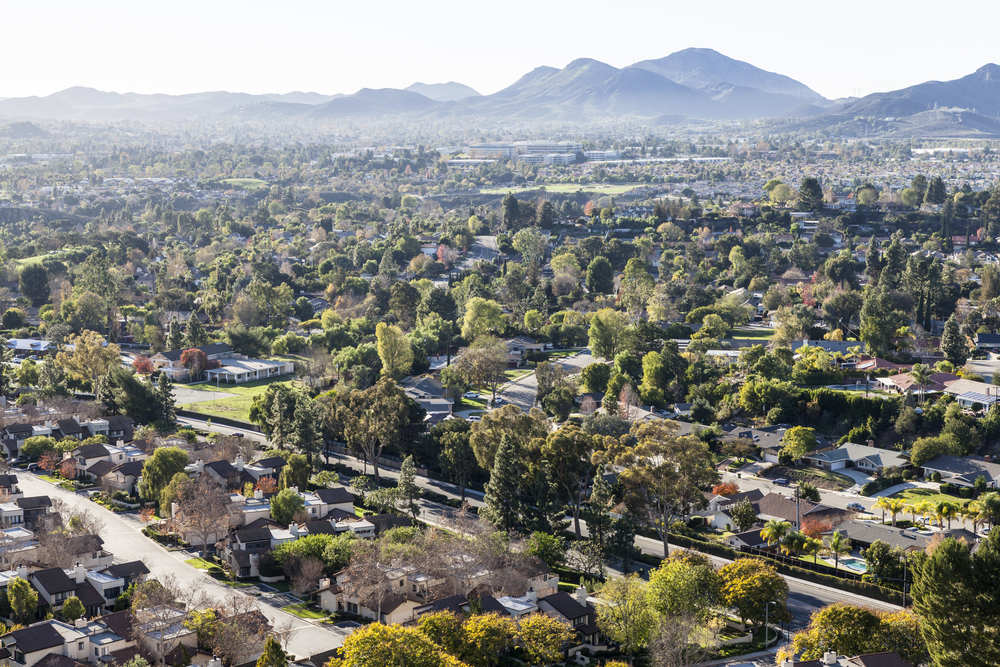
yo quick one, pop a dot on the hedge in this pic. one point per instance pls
(879, 484)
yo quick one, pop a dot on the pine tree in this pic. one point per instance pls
(511, 212)
(599, 521)
(936, 192)
(894, 265)
(165, 397)
(194, 332)
(873, 260)
(175, 337)
(273, 655)
(105, 393)
(810, 194)
(502, 501)
(953, 344)
(407, 487)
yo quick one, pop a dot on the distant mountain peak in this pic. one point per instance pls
(452, 91)
(989, 71)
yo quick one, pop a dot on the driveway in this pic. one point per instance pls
(523, 391)
(122, 537)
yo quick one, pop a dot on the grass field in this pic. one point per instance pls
(201, 564)
(245, 183)
(763, 334)
(516, 373)
(232, 407)
(302, 611)
(923, 495)
(567, 188)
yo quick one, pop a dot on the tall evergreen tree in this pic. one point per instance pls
(165, 398)
(511, 212)
(936, 192)
(873, 260)
(954, 346)
(894, 265)
(502, 504)
(194, 332)
(810, 194)
(175, 336)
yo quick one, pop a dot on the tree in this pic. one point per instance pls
(159, 469)
(482, 317)
(203, 509)
(810, 194)
(378, 645)
(743, 514)
(600, 276)
(285, 505)
(954, 345)
(748, 584)
(550, 549)
(511, 212)
(775, 531)
(936, 191)
(164, 397)
(636, 286)
(194, 332)
(921, 374)
(482, 363)
(273, 655)
(407, 487)
(73, 609)
(532, 244)
(444, 628)
(664, 474)
(23, 600)
(595, 377)
(175, 336)
(849, 630)
(837, 545)
(33, 282)
(87, 357)
(195, 360)
(393, 349)
(684, 584)
(295, 473)
(542, 637)
(798, 441)
(373, 419)
(487, 637)
(881, 320)
(501, 504)
(568, 452)
(607, 333)
(626, 615)
(957, 603)
(457, 459)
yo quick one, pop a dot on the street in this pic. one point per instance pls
(123, 537)
(522, 392)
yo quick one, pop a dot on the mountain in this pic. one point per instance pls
(979, 91)
(707, 69)
(590, 88)
(369, 101)
(443, 92)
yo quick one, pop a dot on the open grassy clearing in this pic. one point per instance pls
(924, 495)
(232, 407)
(567, 188)
(763, 334)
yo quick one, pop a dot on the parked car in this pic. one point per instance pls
(781, 481)
(32, 467)
(470, 395)
(475, 418)
(857, 507)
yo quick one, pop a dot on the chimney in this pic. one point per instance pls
(214, 662)
(324, 582)
(531, 596)
(580, 595)
(293, 528)
(79, 573)
(22, 571)
(829, 658)
(258, 494)
(239, 463)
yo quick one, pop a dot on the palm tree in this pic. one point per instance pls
(883, 504)
(811, 547)
(945, 510)
(913, 509)
(774, 531)
(974, 512)
(921, 374)
(895, 506)
(794, 543)
(991, 507)
(926, 509)
(837, 545)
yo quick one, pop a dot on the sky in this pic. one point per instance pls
(843, 48)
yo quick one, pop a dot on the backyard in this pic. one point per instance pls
(918, 495)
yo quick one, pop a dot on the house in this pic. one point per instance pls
(11, 514)
(55, 586)
(228, 475)
(750, 539)
(903, 383)
(863, 533)
(963, 470)
(88, 551)
(777, 506)
(9, 490)
(519, 347)
(988, 341)
(239, 369)
(35, 508)
(575, 611)
(169, 362)
(429, 394)
(871, 460)
(130, 572)
(161, 629)
(28, 646)
(29, 347)
(123, 477)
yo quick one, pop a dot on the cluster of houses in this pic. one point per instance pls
(225, 366)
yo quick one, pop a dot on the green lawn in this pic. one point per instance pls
(201, 564)
(232, 407)
(560, 354)
(763, 334)
(471, 404)
(303, 611)
(245, 183)
(923, 495)
(50, 479)
(567, 188)
(516, 373)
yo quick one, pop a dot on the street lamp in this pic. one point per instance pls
(767, 607)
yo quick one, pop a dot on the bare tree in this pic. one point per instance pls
(203, 510)
(306, 574)
(241, 631)
(682, 640)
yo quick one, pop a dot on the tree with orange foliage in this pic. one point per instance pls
(143, 365)
(195, 361)
(725, 489)
(49, 461)
(68, 468)
(816, 527)
(267, 485)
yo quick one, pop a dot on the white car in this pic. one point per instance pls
(470, 395)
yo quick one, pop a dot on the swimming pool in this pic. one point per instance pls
(855, 564)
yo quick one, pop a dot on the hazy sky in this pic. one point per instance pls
(838, 48)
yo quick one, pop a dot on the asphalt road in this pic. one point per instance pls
(123, 537)
(522, 392)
